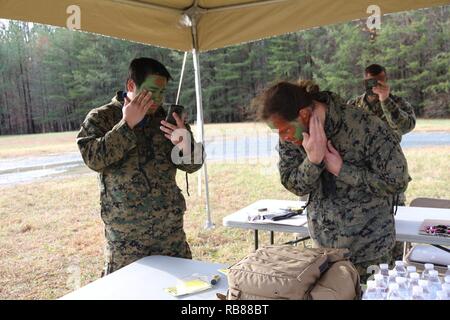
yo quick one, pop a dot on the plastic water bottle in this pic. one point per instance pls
(413, 280)
(426, 290)
(381, 285)
(447, 274)
(409, 270)
(426, 272)
(379, 280)
(392, 276)
(417, 293)
(394, 294)
(434, 282)
(442, 295)
(371, 292)
(446, 289)
(384, 270)
(402, 287)
(400, 268)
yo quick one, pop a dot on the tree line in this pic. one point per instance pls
(51, 77)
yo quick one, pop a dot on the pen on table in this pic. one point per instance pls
(214, 279)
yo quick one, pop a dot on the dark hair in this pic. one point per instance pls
(141, 68)
(284, 99)
(374, 69)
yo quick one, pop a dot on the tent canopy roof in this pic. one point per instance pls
(218, 23)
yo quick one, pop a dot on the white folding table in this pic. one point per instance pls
(146, 279)
(407, 222)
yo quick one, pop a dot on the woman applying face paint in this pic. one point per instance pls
(346, 161)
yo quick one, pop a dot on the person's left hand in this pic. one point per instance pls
(333, 160)
(382, 90)
(169, 128)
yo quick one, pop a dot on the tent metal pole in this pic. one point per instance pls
(200, 132)
(192, 15)
(181, 78)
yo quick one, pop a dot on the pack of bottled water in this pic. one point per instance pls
(405, 283)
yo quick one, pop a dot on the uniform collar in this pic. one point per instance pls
(370, 104)
(333, 118)
(117, 100)
(364, 98)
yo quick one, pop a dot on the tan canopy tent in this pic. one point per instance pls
(216, 23)
(198, 25)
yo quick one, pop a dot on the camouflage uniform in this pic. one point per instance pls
(401, 119)
(355, 209)
(141, 205)
(395, 111)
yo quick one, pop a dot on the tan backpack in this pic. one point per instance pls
(287, 272)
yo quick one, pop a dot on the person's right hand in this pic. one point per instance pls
(315, 143)
(134, 110)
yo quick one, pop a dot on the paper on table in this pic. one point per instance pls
(188, 287)
(296, 221)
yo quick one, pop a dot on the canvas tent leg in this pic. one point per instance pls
(200, 133)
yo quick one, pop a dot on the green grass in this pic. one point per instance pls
(37, 144)
(49, 228)
(50, 143)
(432, 125)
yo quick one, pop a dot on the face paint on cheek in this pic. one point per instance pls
(298, 133)
(158, 98)
(288, 131)
(156, 85)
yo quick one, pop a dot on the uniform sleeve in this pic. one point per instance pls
(101, 147)
(195, 160)
(297, 173)
(387, 170)
(399, 114)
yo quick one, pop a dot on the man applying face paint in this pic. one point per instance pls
(395, 111)
(130, 146)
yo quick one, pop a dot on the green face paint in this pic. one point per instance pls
(299, 129)
(288, 130)
(157, 86)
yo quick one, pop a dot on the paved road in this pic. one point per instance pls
(18, 170)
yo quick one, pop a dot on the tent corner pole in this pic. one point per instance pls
(200, 133)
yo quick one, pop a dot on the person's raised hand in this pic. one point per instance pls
(333, 160)
(315, 143)
(382, 90)
(134, 110)
(180, 136)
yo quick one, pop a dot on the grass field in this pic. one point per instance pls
(51, 230)
(47, 143)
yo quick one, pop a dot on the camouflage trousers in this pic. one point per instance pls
(119, 253)
(367, 268)
(398, 249)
